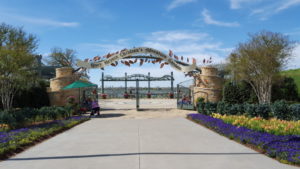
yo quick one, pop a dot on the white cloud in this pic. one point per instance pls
(295, 61)
(209, 20)
(191, 44)
(287, 4)
(95, 8)
(106, 47)
(47, 22)
(177, 3)
(237, 4)
(170, 36)
(266, 11)
(36, 21)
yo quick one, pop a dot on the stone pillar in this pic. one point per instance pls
(64, 76)
(208, 85)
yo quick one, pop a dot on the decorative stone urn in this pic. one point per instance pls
(208, 85)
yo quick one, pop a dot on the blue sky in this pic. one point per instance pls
(192, 28)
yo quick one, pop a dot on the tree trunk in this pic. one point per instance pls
(262, 88)
(7, 93)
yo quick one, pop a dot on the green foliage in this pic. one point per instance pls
(263, 110)
(295, 112)
(259, 60)
(35, 96)
(281, 110)
(235, 109)
(21, 138)
(295, 74)
(200, 104)
(26, 116)
(239, 92)
(16, 62)
(210, 108)
(285, 89)
(206, 107)
(221, 107)
(258, 110)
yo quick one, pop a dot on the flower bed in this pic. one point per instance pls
(14, 141)
(273, 126)
(284, 148)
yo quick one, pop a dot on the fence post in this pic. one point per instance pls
(102, 83)
(177, 95)
(137, 95)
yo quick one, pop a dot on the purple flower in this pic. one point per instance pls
(285, 147)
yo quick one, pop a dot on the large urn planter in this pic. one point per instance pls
(171, 95)
(148, 95)
(126, 95)
(104, 96)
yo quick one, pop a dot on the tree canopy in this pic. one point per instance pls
(259, 60)
(16, 61)
(63, 58)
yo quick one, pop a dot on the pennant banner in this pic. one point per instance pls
(112, 58)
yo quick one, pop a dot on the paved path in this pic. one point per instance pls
(169, 143)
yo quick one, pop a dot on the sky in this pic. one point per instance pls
(191, 28)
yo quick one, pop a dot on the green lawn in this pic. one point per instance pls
(295, 74)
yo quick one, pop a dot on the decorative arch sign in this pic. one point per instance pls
(125, 53)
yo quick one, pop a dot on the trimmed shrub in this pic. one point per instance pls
(295, 112)
(22, 117)
(263, 110)
(250, 110)
(281, 110)
(235, 109)
(210, 108)
(220, 107)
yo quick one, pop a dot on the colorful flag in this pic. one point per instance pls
(170, 53)
(176, 57)
(141, 62)
(194, 61)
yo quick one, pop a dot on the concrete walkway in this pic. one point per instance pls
(169, 143)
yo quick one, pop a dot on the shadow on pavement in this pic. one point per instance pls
(127, 154)
(109, 115)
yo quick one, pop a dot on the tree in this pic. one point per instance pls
(259, 60)
(63, 58)
(16, 61)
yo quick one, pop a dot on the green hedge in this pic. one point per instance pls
(26, 116)
(279, 109)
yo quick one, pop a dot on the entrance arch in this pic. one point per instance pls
(144, 54)
(138, 53)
